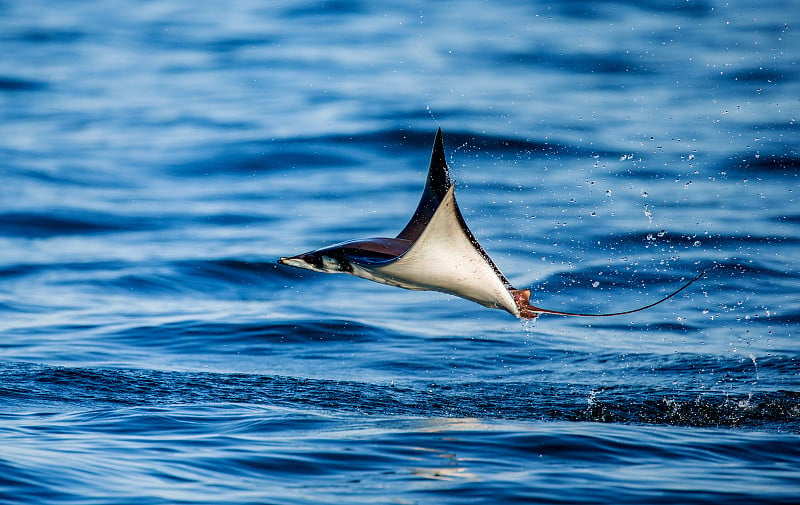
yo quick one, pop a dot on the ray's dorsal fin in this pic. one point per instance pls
(436, 187)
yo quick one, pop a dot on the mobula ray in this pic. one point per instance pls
(436, 251)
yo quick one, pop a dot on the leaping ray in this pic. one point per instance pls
(436, 251)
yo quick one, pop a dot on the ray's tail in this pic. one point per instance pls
(522, 297)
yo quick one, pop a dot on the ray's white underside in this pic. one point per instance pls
(444, 259)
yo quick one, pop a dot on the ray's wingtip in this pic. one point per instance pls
(438, 157)
(438, 141)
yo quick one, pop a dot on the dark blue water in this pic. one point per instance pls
(157, 158)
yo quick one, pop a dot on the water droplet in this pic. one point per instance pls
(595, 284)
(648, 213)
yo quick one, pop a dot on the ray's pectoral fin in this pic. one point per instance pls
(435, 251)
(522, 298)
(446, 257)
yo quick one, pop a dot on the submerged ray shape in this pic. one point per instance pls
(436, 251)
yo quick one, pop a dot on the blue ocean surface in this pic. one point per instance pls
(157, 158)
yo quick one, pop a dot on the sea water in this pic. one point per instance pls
(156, 158)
